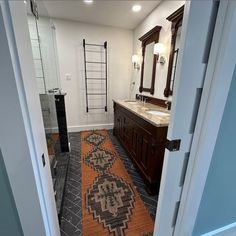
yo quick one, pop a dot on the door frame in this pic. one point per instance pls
(213, 102)
(221, 64)
(17, 36)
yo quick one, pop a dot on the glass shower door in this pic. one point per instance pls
(42, 34)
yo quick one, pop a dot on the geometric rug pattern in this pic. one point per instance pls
(149, 201)
(100, 159)
(71, 217)
(110, 202)
(94, 138)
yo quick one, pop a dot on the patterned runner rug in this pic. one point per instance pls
(111, 205)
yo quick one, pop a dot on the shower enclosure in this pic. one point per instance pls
(43, 42)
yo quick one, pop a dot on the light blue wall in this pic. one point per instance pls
(218, 204)
(9, 220)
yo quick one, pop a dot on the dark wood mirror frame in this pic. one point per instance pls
(149, 37)
(176, 19)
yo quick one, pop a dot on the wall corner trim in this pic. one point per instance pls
(228, 230)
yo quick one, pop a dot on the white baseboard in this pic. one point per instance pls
(89, 127)
(228, 230)
(51, 130)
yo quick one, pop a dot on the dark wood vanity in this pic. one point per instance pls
(143, 142)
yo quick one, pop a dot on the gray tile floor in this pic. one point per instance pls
(71, 217)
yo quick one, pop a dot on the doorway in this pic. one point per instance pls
(178, 125)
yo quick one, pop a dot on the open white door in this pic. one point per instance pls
(219, 75)
(196, 38)
(39, 207)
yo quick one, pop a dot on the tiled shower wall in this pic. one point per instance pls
(47, 75)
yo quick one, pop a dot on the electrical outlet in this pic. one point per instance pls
(68, 76)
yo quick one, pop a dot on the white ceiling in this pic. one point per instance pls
(116, 13)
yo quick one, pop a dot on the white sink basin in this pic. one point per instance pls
(158, 113)
(131, 102)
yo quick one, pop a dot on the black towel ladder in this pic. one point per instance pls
(101, 78)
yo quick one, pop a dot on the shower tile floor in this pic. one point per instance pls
(71, 215)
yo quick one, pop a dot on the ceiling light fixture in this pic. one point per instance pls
(136, 8)
(88, 1)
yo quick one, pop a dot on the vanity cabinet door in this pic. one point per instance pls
(134, 141)
(118, 125)
(121, 126)
(115, 129)
(140, 146)
(145, 149)
(127, 131)
(124, 128)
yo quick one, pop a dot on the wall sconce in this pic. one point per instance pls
(158, 49)
(135, 61)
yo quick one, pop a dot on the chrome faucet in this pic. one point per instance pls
(139, 98)
(168, 104)
(144, 101)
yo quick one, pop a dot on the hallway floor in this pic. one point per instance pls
(71, 217)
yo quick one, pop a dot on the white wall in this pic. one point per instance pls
(157, 17)
(69, 37)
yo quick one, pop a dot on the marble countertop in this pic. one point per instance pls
(141, 110)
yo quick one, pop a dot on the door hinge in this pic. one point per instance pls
(34, 8)
(175, 213)
(173, 145)
(43, 160)
(184, 169)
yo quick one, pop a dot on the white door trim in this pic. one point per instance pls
(15, 19)
(30, 207)
(219, 74)
(190, 74)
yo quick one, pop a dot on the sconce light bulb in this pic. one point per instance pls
(135, 58)
(135, 61)
(159, 48)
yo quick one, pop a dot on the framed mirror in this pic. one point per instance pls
(148, 68)
(176, 19)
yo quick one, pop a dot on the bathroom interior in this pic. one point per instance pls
(105, 72)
